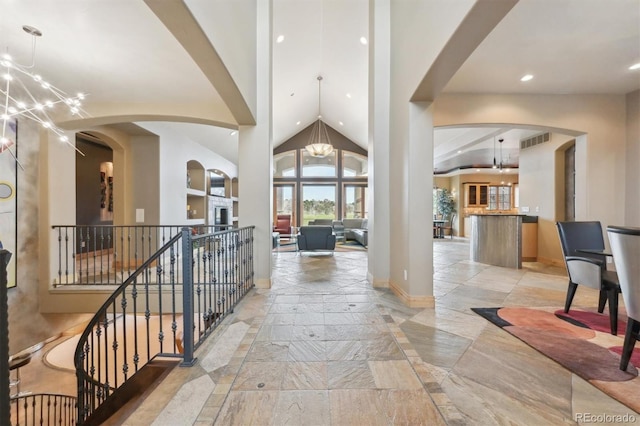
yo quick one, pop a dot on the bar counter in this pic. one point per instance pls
(496, 239)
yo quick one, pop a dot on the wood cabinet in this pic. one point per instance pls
(530, 242)
(476, 194)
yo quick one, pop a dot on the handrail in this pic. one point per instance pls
(43, 409)
(215, 271)
(5, 255)
(108, 254)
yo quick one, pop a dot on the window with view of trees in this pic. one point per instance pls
(318, 202)
(308, 188)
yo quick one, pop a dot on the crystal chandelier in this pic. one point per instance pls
(319, 143)
(25, 94)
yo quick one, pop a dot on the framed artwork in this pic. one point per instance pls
(9, 197)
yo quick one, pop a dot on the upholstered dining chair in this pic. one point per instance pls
(589, 269)
(283, 224)
(625, 247)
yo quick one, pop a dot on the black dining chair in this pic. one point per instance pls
(589, 269)
(625, 247)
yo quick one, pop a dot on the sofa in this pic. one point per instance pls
(352, 229)
(347, 229)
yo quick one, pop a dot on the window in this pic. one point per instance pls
(355, 202)
(354, 165)
(318, 167)
(307, 187)
(499, 197)
(284, 164)
(318, 202)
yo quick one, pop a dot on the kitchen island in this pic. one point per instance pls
(496, 239)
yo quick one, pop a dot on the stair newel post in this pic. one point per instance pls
(5, 416)
(187, 298)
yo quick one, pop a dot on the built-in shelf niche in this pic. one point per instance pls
(196, 208)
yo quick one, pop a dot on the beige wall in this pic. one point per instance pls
(542, 191)
(632, 194)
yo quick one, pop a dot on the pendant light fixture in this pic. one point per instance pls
(500, 140)
(319, 143)
(26, 95)
(494, 153)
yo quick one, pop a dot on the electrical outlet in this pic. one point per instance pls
(609, 259)
(524, 209)
(537, 209)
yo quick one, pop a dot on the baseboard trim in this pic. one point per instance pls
(554, 262)
(263, 283)
(412, 301)
(377, 282)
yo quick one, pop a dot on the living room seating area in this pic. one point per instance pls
(354, 229)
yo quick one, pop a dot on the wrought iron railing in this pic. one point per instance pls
(4, 339)
(95, 254)
(165, 308)
(43, 409)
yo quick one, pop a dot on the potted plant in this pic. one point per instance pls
(445, 204)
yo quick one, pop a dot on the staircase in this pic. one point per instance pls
(152, 322)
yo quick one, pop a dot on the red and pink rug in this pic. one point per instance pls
(580, 341)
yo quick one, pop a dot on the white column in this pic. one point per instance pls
(420, 204)
(378, 149)
(255, 156)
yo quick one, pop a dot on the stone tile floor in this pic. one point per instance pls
(322, 347)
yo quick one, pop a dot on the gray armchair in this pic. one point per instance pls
(315, 237)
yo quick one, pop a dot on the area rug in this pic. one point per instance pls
(579, 341)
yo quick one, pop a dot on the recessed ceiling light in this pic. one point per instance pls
(349, 95)
(477, 170)
(280, 39)
(459, 151)
(635, 67)
(526, 77)
(363, 40)
(297, 123)
(341, 123)
(233, 133)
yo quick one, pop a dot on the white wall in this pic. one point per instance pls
(230, 25)
(175, 152)
(412, 22)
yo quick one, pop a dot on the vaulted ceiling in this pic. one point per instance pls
(120, 52)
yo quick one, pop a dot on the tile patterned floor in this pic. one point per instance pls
(322, 347)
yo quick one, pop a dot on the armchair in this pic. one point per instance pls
(316, 237)
(588, 269)
(283, 224)
(625, 246)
